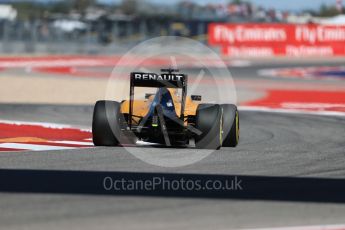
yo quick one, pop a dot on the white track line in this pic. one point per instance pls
(290, 111)
(72, 143)
(316, 227)
(21, 146)
(42, 124)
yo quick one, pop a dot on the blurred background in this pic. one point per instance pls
(113, 26)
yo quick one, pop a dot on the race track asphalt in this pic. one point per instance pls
(291, 166)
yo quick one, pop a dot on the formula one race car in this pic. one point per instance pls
(166, 117)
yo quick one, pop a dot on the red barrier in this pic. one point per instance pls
(278, 39)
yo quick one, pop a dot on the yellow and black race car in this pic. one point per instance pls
(166, 117)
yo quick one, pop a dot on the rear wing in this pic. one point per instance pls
(167, 80)
(170, 78)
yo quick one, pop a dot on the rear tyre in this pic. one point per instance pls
(209, 122)
(106, 123)
(231, 125)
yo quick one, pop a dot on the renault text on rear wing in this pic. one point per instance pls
(168, 80)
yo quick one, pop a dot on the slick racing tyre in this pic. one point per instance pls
(231, 125)
(105, 123)
(209, 122)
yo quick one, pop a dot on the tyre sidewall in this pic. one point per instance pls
(209, 122)
(230, 128)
